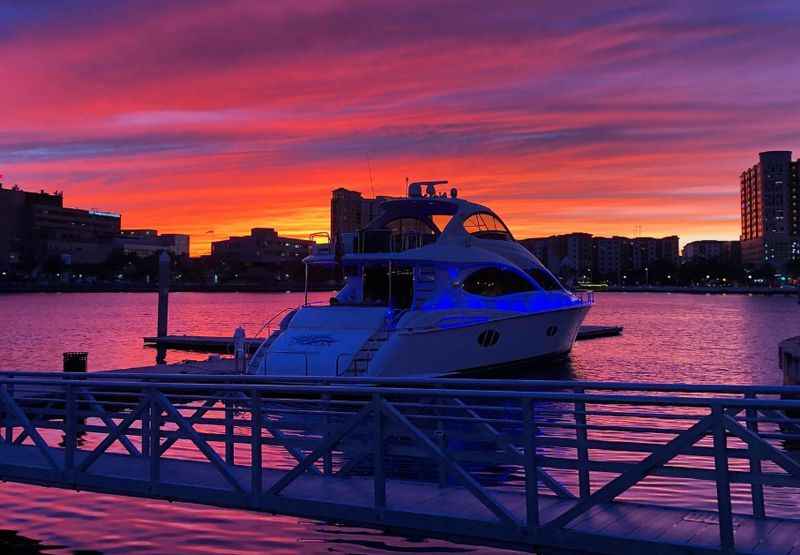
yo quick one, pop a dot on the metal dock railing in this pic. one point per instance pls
(601, 467)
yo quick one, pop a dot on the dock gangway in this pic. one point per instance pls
(590, 466)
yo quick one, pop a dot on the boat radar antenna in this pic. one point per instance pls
(415, 189)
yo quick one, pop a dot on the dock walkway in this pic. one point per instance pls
(509, 463)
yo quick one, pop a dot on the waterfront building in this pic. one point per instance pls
(263, 245)
(12, 203)
(538, 247)
(721, 251)
(146, 242)
(647, 250)
(584, 257)
(567, 255)
(608, 257)
(37, 227)
(770, 230)
(350, 211)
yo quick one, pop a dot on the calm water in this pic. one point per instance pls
(668, 338)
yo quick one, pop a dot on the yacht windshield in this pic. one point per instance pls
(486, 225)
(545, 280)
(496, 282)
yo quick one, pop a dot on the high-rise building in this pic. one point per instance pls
(770, 220)
(350, 211)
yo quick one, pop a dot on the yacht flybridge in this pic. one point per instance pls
(435, 285)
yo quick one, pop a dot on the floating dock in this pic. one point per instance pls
(211, 344)
(341, 449)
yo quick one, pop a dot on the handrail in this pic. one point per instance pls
(484, 391)
(451, 383)
(273, 318)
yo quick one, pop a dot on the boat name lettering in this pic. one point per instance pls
(322, 340)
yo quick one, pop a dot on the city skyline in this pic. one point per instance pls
(224, 119)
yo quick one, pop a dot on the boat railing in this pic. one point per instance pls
(271, 320)
(321, 243)
(258, 357)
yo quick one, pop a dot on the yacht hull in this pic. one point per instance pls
(499, 343)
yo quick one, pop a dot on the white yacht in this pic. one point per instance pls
(435, 285)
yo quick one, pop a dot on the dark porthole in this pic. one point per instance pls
(552, 330)
(488, 338)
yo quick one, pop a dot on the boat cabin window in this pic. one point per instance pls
(496, 282)
(441, 220)
(377, 291)
(410, 233)
(485, 225)
(545, 280)
(398, 235)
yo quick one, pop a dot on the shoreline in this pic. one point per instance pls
(785, 291)
(16, 290)
(298, 288)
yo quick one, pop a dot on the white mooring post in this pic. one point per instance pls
(239, 350)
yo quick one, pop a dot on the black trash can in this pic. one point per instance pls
(75, 362)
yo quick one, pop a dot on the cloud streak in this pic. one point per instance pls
(198, 115)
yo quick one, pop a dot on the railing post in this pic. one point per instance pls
(255, 448)
(327, 458)
(531, 472)
(70, 430)
(9, 433)
(379, 471)
(145, 425)
(441, 442)
(723, 482)
(229, 451)
(756, 489)
(582, 441)
(154, 432)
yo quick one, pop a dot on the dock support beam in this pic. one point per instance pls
(724, 508)
(163, 302)
(379, 474)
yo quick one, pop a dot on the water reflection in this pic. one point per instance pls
(667, 338)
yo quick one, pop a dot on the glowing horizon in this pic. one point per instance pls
(629, 120)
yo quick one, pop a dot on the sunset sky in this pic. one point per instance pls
(210, 118)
